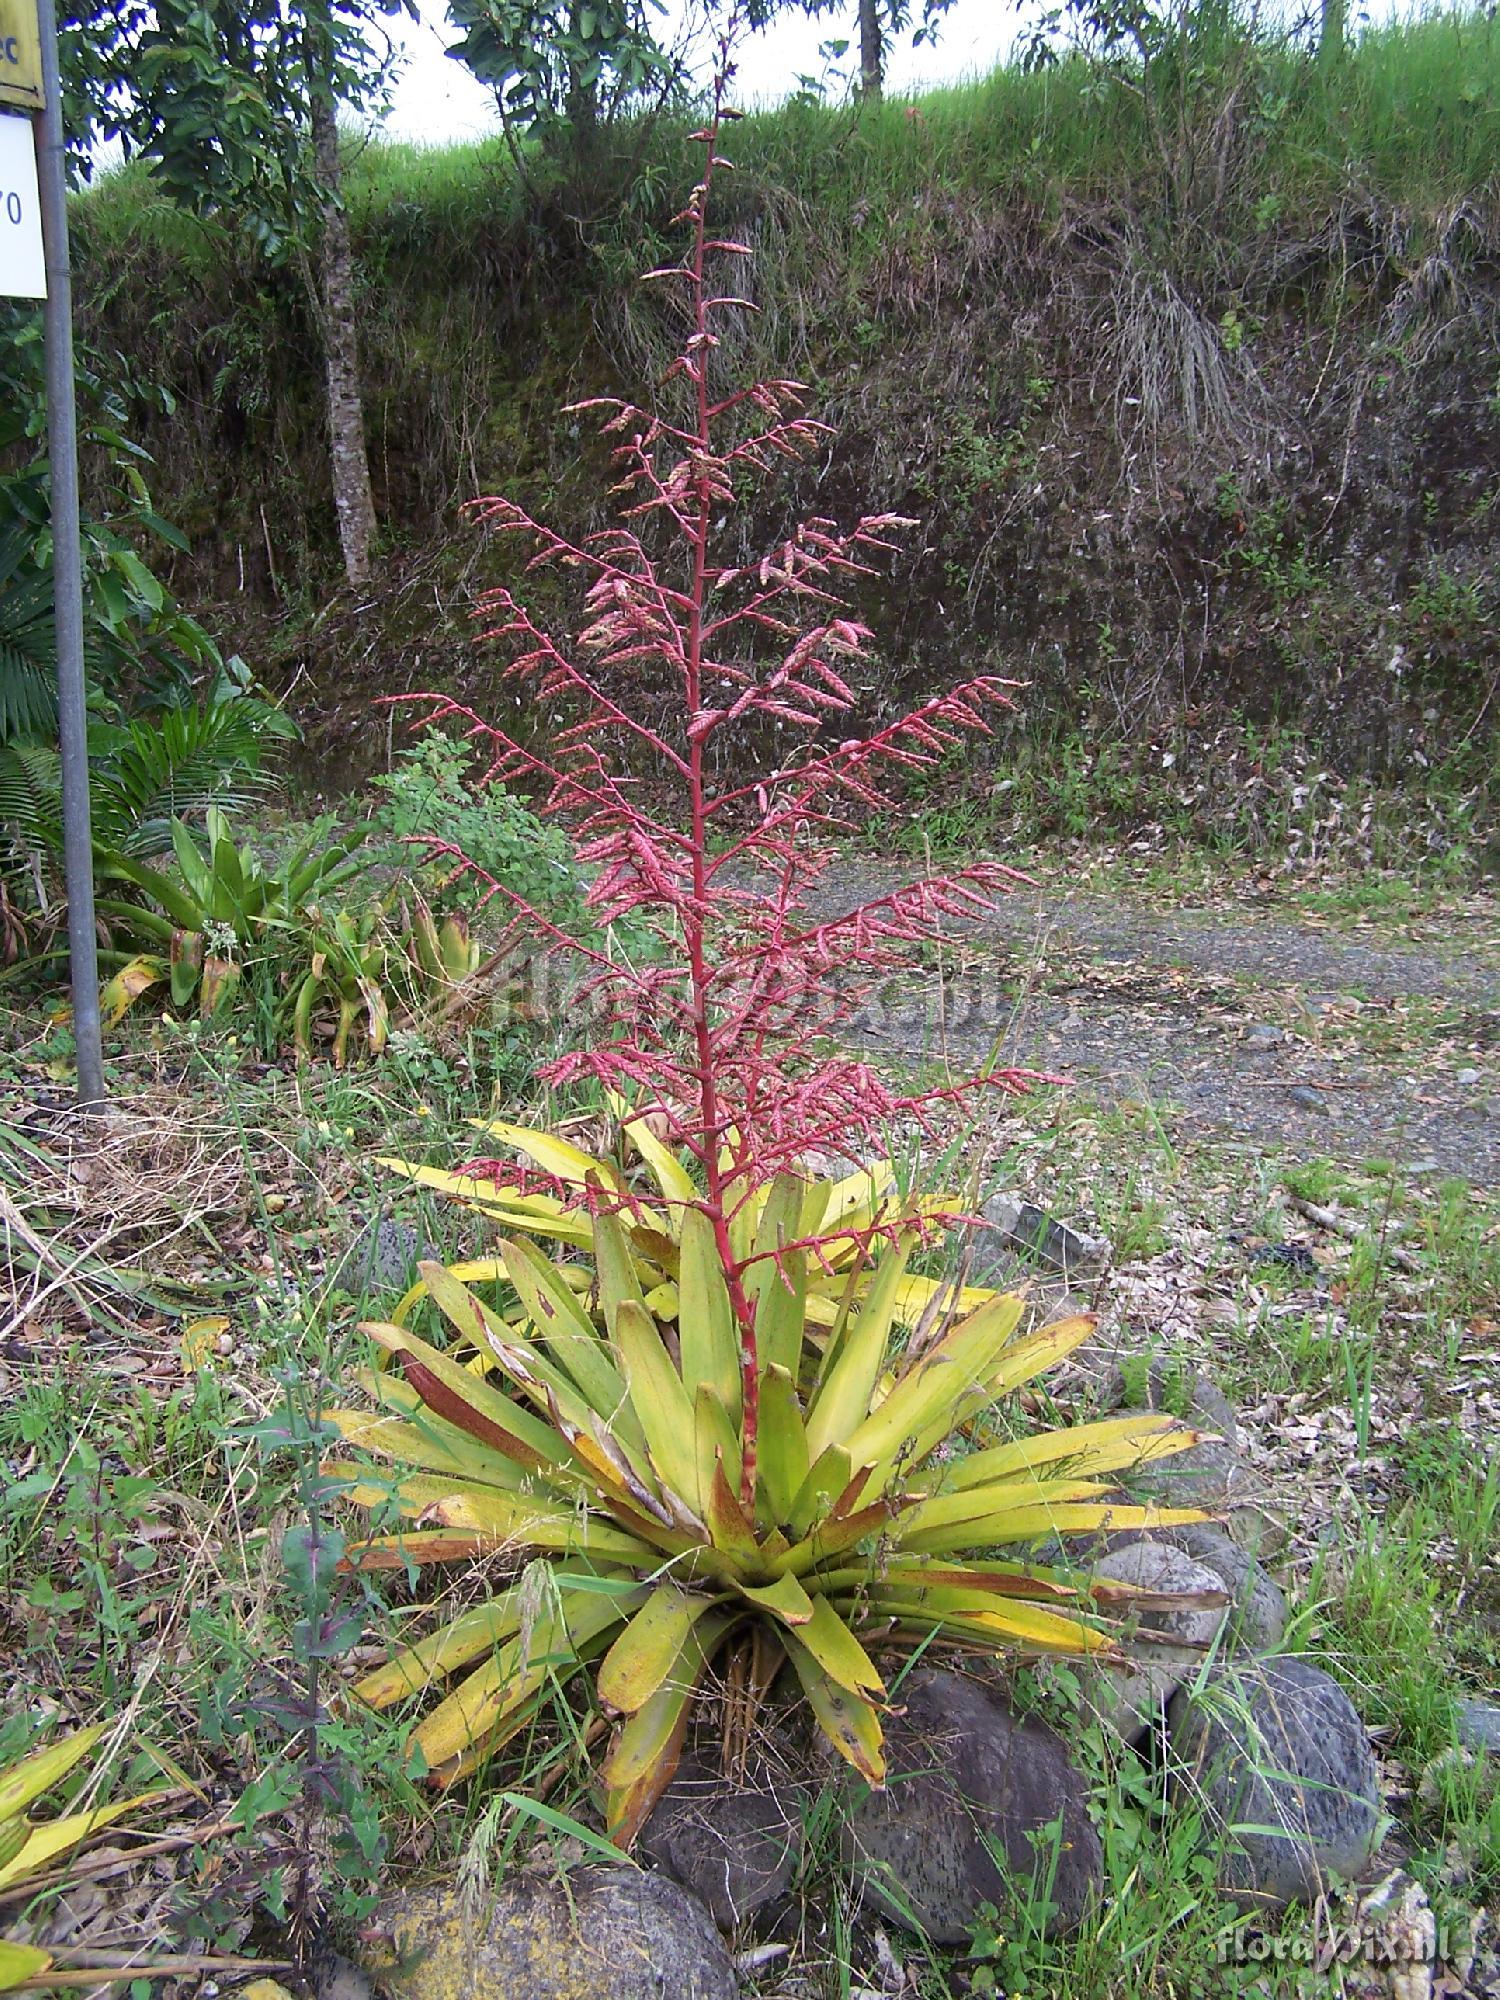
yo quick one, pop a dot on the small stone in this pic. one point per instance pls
(1477, 1724)
(1466, 1078)
(1264, 1036)
(1307, 1099)
(1020, 1228)
(1277, 1761)
(736, 1847)
(595, 1934)
(976, 1804)
(1130, 1700)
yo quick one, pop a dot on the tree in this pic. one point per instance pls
(878, 22)
(558, 68)
(234, 106)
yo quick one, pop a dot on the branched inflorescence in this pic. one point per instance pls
(716, 1034)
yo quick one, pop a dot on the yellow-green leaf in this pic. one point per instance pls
(982, 1503)
(542, 1215)
(715, 1443)
(847, 1719)
(644, 1754)
(120, 993)
(837, 1651)
(782, 1452)
(416, 1667)
(1084, 1449)
(785, 1599)
(542, 1380)
(671, 1176)
(937, 1382)
(661, 1404)
(705, 1318)
(776, 1284)
(570, 1334)
(553, 1155)
(1005, 1621)
(60, 1836)
(841, 1401)
(427, 1442)
(536, 1443)
(514, 1672)
(651, 1646)
(728, 1528)
(32, 1776)
(827, 1478)
(616, 1269)
(1031, 1524)
(19, 1962)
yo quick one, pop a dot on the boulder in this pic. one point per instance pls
(1169, 1642)
(1258, 1613)
(1158, 1382)
(735, 1846)
(1477, 1724)
(978, 1808)
(596, 1933)
(1212, 1475)
(1276, 1759)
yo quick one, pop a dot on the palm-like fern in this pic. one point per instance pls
(28, 651)
(146, 770)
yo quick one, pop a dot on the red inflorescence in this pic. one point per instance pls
(718, 1034)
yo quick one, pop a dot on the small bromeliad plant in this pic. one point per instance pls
(726, 1428)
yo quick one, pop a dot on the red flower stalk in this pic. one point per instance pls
(718, 1037)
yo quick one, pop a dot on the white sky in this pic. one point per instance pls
(436, 100)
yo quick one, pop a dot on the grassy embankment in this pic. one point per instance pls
(1189, 376)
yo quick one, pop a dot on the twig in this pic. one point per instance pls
(108, 1968)
(1351, 1231)
(117, 1864)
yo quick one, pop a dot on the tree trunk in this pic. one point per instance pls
(352, 498)
(1331, 33)
(581, 107)
(871, 51)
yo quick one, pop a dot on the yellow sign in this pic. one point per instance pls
(20, 55)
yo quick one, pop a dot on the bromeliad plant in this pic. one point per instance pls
(218, 911)
(621, 1458)
(734, 1429)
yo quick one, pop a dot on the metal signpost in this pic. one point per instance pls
(34, 264)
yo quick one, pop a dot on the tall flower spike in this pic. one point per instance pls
(683, 666)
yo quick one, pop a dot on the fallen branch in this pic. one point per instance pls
(1352, 1231)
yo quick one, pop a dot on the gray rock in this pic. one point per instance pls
(1262, 1035)
(1276, 1759)
(978, 1808)
(1157, 1382)
(1258, 1613)
(1212, 1475)
(1477, 1725)
(594, 1934)
(1019, 1229)
(736, 1847)
(384, 1256)
(1130, 1700)
(1466, 1078)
